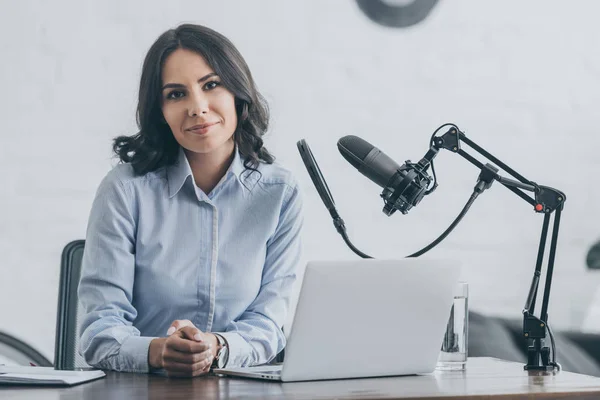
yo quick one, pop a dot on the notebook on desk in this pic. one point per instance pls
(365, 318)
(21, 375)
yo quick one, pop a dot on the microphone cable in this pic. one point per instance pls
(341, 228)
(449, 229)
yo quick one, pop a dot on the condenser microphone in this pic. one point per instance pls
(403, 186)
(368, 159)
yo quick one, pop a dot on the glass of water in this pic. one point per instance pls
(453, 354)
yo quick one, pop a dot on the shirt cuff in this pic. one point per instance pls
(134, 354)
(239, 350)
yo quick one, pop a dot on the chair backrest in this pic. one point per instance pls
(14, 350)
(69, 312)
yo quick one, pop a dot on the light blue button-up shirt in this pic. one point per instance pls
(159, 249)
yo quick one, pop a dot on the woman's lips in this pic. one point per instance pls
(201, 129)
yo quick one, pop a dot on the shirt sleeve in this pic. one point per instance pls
(256, 337)
(108, 338)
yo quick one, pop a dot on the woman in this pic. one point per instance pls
(193, 241)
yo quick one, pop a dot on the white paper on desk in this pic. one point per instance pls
(12, 375)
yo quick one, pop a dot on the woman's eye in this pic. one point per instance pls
(176, 94)
(211, 85)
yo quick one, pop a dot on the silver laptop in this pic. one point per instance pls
(365, 318)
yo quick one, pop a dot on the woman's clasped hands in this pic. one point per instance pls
(185, 352)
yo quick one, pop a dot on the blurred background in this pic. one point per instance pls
(521, 79)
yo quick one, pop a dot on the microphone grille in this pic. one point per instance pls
(354, 149)
(355, 145)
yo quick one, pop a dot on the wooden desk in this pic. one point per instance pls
(485, 378)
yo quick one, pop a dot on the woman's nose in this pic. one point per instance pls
(198, 105)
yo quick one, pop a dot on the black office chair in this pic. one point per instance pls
(69, 312)
(13, 350)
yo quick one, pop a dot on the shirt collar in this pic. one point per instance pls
(179, 172)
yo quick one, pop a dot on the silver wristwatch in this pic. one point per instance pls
(222, 357)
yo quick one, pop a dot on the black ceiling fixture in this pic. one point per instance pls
(593, 256)
(396, 14)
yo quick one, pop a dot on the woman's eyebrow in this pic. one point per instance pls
(179, 85)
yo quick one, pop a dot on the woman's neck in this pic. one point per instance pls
(209, 168)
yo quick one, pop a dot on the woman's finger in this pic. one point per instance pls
(192, 333)
(186, 358)
(179, 369)
(178, 324)
(186, 346)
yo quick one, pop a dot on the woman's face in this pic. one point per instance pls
(197, 107)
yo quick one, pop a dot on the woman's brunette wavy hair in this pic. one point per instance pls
(154, 146)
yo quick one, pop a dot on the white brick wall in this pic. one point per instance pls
(521, 78)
